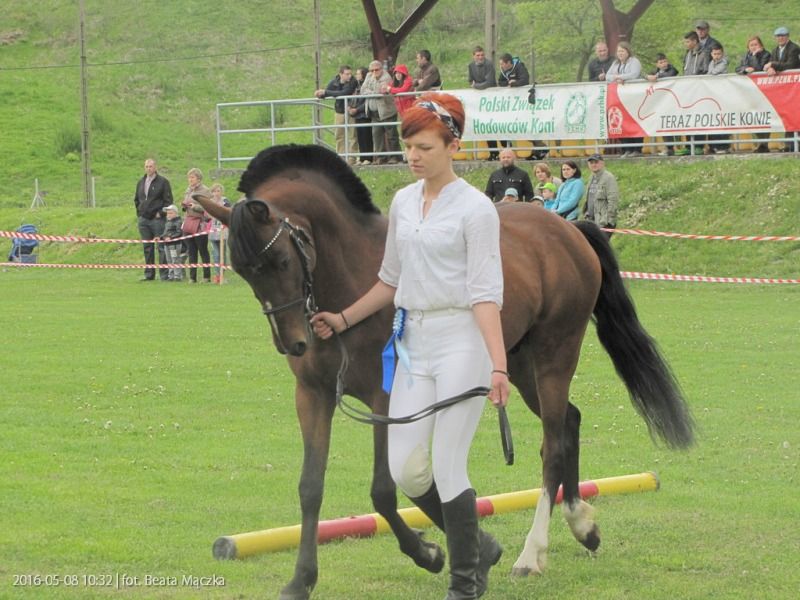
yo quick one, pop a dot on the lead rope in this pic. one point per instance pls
(370, 418)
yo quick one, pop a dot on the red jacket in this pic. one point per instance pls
(402, 102)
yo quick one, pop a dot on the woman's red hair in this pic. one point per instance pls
(418, 119)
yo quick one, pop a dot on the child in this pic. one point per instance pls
(172, 230)
(665, 69)
(215, 232)
(548, 192)
(511, 195)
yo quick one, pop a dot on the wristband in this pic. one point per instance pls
(346, 324)
(501, 372)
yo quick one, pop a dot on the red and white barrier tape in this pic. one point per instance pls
(625, 274)
(87, 266)
(85, 240)
(702, 278)
(692, 236)
(646, 232)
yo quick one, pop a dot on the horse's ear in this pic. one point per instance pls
(259, 211)
(218, 211)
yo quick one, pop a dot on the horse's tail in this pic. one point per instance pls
(654, 391)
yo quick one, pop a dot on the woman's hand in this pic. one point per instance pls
(325, 324)
(499, 391)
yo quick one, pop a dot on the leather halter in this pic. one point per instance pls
(310, 304)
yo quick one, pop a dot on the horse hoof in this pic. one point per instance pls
(433, 559)
(290, 593)
(592, 540)
(524, 572)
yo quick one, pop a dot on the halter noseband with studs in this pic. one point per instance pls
(310, 304)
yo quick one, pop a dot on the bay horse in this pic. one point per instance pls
(309, 232)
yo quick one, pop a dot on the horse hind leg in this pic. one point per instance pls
(578, 513)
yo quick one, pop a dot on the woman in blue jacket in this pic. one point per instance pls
(570, 192)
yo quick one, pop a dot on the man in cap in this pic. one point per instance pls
(509, 176)
(602, 196)
(511, 195)
(706, 42)
(785, 56)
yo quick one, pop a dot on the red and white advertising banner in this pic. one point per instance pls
(705, 104)
(561, 112)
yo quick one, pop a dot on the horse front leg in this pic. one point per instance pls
(427, 555)
(553, 392)
(315, 413)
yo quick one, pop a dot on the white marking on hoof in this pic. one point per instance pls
(533, 558)
(580, 518)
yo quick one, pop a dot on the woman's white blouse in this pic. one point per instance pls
(451, 258)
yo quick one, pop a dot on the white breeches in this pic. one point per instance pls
(447, 356)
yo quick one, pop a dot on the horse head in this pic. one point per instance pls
(276, 257)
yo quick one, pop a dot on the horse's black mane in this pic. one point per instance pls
(273, 160)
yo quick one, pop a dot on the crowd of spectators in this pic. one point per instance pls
(375, 139)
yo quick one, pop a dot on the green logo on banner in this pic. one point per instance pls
(575, 113)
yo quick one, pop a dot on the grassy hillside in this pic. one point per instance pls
(158, 68)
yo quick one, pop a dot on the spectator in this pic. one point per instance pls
(626, 67)
(172, 230)
(215, 232)
(601, 63)
(705, 41)
(785, 56)
(718, 66)
(695, 62)
(512, 72)
(195, 223)
(549, 191)
(358, 111)
(754, 61)
(342, 84)
(509, 175)
(381, 112)
(402, 83)
(602, 196)
(153, 193)
(511, 195)
(427, 76)
(665, 69)
(481, 72)
(481, 77)
(570, 192)
(542, 173)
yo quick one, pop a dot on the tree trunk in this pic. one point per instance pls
(618, 26)
(386, 44)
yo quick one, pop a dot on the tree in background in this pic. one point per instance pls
(563, 34)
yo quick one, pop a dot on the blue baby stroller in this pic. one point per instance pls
(22, 249)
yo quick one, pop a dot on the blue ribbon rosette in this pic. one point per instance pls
(394, 350)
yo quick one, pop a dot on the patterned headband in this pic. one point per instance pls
(444, 116)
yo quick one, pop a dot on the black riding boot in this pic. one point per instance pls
(461, 527)
(490, 550)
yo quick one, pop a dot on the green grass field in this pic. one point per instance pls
(142, 421)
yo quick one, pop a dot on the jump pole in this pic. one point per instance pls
(281, 538)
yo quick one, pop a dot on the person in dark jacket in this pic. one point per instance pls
(753, 62)
(602, 61)
(357, 107)
(153, 193)
(785, 56)
(342, 85)
(509, 176)
(513, 72)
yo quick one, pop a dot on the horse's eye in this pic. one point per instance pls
(284, 263)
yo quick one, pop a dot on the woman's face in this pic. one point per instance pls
(193, 180)
(540, 175)
(754, 46)
(216, 194)
(567, 171)
(622, 54)
(428, 156)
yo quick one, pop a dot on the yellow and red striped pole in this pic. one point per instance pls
(281, 538)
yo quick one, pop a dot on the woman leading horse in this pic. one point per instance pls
(309, 234)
